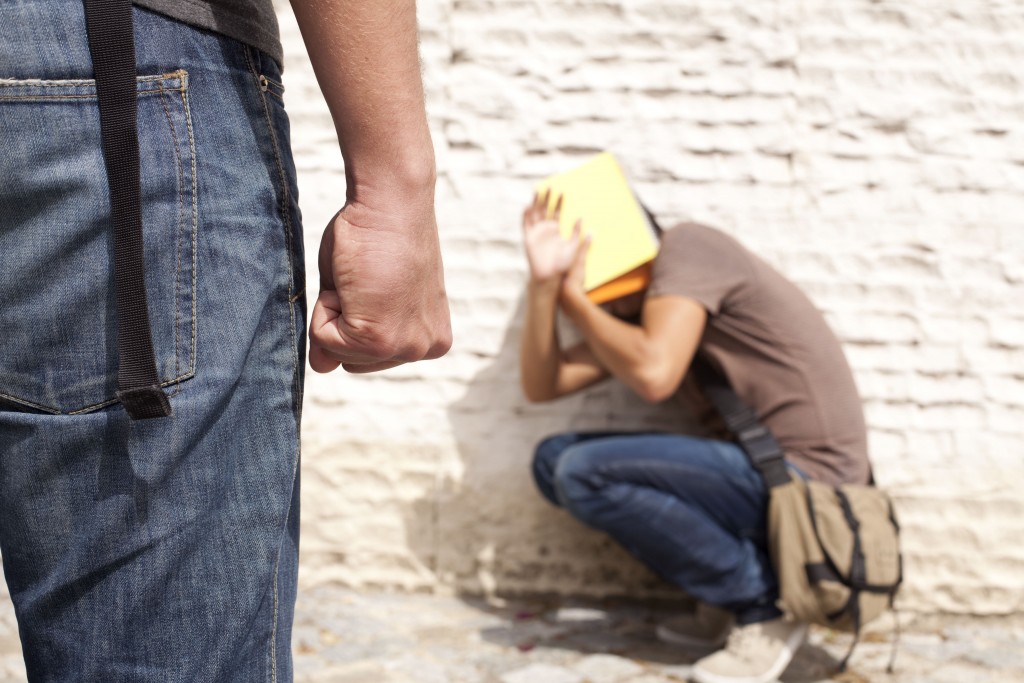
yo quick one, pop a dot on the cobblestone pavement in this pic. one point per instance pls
(342, 636)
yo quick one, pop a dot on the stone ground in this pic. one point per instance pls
(342, 636)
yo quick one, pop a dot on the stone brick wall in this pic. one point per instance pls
(872, 150)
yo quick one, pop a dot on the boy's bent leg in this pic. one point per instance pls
(158, 550)
(549, 451)
(545, 460)
(693, 510)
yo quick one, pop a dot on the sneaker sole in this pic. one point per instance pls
(793, 643)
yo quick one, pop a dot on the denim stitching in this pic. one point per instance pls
(273, 638)
(282, 208)
(29, 404)
(43, 98)
(285, 208)
(145, 85)
(112, 401)
(84, 82)
(195, 220)
(177, 243)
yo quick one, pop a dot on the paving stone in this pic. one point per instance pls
(360, 672)
(542, 673)
(341, 636)
(580, 615)
(678, 672)
(606, 668)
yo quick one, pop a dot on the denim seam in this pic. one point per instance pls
(84, 82)
(273, 637)
(158, 82)
(177, 247)
(283, 208)
(195, 227)
(112, 401)
(30, 404)
(41, 98)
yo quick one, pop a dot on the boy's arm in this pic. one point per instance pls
(382, 298)
(651, 358)
(545, 371)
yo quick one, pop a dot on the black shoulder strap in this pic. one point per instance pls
(754, 438)
(112, 45)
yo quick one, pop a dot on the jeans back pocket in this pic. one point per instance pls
(58, 319)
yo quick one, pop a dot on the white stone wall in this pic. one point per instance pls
(872, 150)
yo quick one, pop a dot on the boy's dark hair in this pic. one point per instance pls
(654, 221)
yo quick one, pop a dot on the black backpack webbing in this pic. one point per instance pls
(754, 438)
(112, 46)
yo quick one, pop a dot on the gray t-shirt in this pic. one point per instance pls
(250, 21)
(775, 348)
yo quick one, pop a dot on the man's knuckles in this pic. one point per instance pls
(402, 345)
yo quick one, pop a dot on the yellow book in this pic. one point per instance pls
(623, 239)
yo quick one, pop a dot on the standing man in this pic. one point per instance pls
(693, 510)
(166, 549)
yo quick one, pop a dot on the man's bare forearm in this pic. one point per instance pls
(366, 59)
(382, 298)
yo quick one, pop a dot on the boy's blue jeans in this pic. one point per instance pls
(693, 510)
(159, 550)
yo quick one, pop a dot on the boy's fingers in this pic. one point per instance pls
(540, 209)
(577, 227)
(558, 207)
(582, 249)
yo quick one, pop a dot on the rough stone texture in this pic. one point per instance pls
(542, 673)
(873, 151)
(343, 636)
(607, 669)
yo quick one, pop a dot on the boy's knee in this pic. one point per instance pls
(575, 476)
(546, 457)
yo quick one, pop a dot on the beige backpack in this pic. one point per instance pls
(835, 549)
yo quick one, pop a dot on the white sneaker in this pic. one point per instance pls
(707, 628)
(756, 653)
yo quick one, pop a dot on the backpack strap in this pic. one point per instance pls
(763, 451)
(112, 46)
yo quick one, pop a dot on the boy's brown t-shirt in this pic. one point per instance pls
(775, 348)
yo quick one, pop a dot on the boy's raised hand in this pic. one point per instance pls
(549, 254)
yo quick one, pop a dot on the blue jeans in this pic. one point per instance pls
(692, 510)
(159, 550)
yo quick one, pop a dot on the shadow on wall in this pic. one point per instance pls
(495, 534)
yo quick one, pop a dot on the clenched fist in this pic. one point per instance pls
(382, 299)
